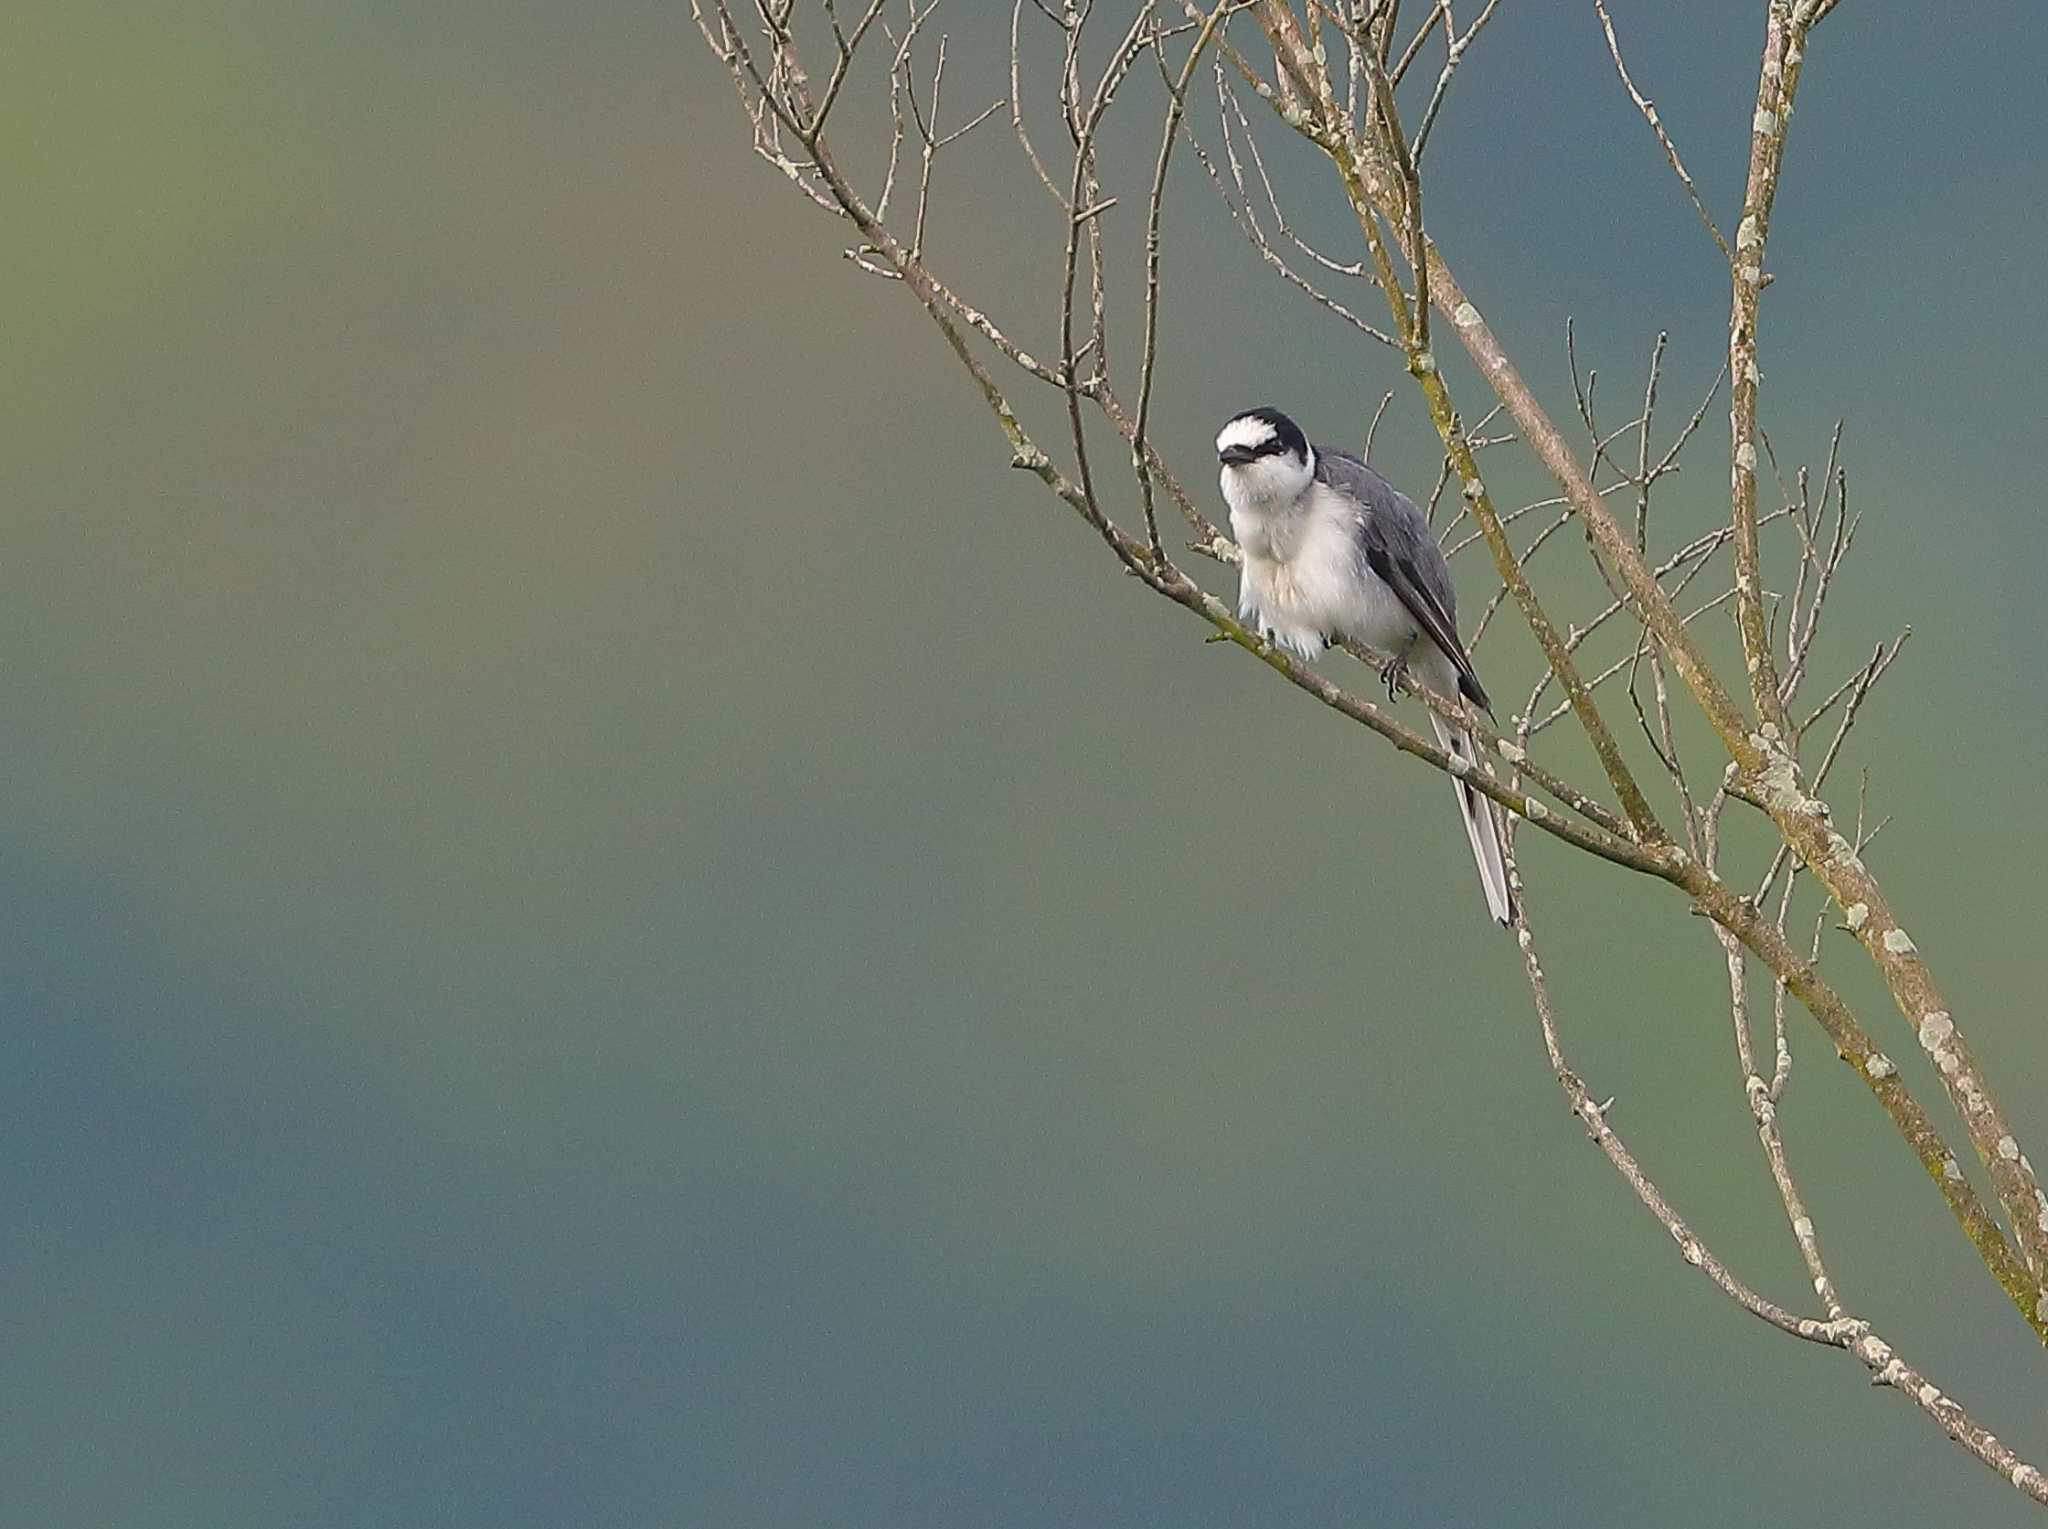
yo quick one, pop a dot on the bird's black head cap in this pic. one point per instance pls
(1281, 435)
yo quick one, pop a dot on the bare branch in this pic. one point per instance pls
(1017, 101)
(1440, 11)
(1777, 85)
(847, 47)
(1373, 429)
(1453, 53)
(1839, 1331)
(1083, 193)
(1763, 1106)
(1178, 94)
(1649, 111)
(1240, 209)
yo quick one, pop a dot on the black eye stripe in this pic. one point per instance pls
(1280, 435)
(1275, 447)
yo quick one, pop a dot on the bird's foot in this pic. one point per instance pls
(1395, 673)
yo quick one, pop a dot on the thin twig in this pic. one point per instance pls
(1453, 53)
(1649, 111)
(1177, 106)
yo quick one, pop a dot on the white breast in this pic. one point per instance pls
(1303, 581)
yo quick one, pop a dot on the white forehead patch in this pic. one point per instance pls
(1248, 431)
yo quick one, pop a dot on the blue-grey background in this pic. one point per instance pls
(609, 922)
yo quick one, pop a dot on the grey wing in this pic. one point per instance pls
(1398, 546)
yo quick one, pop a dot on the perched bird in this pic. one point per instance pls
(1331, 550)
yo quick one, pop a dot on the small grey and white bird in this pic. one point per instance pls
(1331, 550)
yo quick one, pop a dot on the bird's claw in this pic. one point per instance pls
(1396, 672)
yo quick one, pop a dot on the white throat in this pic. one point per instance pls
(1260, 488)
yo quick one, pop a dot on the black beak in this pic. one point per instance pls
(1236, 456)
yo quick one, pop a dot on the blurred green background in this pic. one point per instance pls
(610, 922)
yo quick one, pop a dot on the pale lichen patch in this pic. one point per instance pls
(2008, 1149)
(1466, 316)
(1879, 1066)
(1777, 780)
(1936, 1029)
(1856, 914)
(1898, 942)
